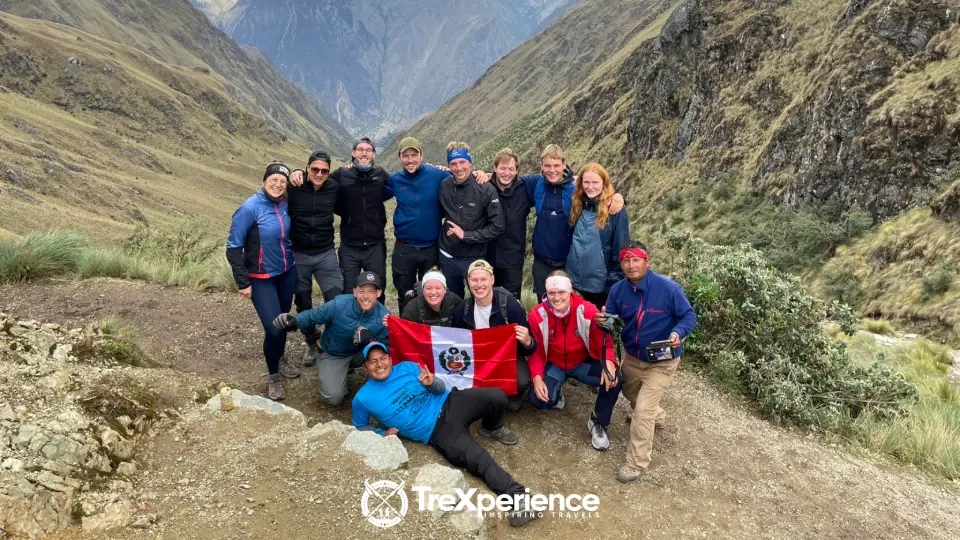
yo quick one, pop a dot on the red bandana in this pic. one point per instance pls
(626, 253)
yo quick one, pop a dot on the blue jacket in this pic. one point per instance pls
(258, 245)
(416, 221)
(401, 401)
(588, 272)
(651, 309)
(552, 234)
(340, 318)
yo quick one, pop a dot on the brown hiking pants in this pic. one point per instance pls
(644, 384)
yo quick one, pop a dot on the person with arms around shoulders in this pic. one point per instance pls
(508, 251)
(654, 310)
(435, 305)
(311, 208)
(350, 322)
(409, 401)
(595, 232)
(552, 196)
(490, 307)
(571, 346)
(261, 258)
(472, 215)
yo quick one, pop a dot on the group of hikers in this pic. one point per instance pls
(456, 229)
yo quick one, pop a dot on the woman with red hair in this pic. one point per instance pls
(594, 260)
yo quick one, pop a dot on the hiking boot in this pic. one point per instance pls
(310, 357)
(522, 515)
(628, 474)
(598, 434)
(287, 369)
(275, 390)
(560, 401)
(504, 435)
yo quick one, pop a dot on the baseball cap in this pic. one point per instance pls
(374, 345)
(479, 264)
(368, 278)
(407, 143)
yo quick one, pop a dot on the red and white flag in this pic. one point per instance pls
(461, 358)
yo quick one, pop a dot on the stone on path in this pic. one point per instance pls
(378, 452)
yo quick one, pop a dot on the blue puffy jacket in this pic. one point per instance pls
(416, 221)
(259, 242)
(552, 233)
(651, 309)
(340, 318)
(588, 272)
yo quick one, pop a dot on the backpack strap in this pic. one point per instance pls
(504, 298)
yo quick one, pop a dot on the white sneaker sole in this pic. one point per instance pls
(593, 444)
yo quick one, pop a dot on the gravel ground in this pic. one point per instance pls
(718, 470)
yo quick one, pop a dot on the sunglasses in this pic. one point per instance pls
(318, 170)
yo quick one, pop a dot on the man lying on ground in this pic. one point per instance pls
(409, 401)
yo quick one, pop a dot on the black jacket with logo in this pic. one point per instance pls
(475, 208)
(360, 205)
(311, 216)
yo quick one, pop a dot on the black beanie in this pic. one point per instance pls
(319, 155)
(276, 168)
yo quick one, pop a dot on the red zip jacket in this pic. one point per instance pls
(562, 342)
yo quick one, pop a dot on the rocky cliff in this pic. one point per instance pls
(382, 63)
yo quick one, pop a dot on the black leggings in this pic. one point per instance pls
(451, 437)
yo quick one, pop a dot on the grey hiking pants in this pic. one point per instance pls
(332, 371)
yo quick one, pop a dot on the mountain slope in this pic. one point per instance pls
(98, 137)
(381, 63)
(775, 123)
(175, 32)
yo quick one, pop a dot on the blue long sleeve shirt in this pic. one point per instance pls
(401, 401)
(416, 221)
(651, 309)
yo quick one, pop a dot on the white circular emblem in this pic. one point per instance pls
(370, 277)
(388, 505)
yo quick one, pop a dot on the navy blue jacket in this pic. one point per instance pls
(259, 242)
(416, 221)
(552, 234)
(589, 272)
(463, 316)
(651, 309)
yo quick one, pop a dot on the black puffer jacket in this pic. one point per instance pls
(475, 208)
(360, 205)
(417, 310)
(510, 248)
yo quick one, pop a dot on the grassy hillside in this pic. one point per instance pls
(98, 136)
(175, 32)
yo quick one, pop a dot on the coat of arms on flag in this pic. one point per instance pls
(461, 358)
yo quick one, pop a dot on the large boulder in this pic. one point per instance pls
(378, 452)
(257, 403)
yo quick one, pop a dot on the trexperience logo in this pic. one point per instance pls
(384, 503)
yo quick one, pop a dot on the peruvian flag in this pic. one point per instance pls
(461, 358)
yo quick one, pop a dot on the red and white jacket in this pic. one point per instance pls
(566, 342)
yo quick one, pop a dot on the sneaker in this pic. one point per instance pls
(504, 435)
(287, 369)
(628, 474)
(560, 401)
(522, 515)
(310, 357)
(275, 390)
(598, 434)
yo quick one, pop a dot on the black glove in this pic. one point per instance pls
(362, 336)
(285, 321)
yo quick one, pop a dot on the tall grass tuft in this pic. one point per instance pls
(41, 254)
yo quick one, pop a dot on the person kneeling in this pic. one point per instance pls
(568, 346)
(409, 401)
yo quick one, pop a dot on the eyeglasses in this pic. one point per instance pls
(276, 181)
(365, 151)
(318, 170)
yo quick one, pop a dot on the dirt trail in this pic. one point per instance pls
(718, 470)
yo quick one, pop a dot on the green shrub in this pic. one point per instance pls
(879, 326)
(41, 254)
(938, 283)
(187, 242)
(840, 284)
(761, 331)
